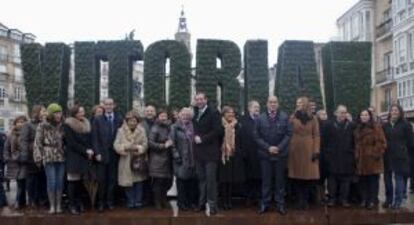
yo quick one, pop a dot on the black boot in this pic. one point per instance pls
(72, 192)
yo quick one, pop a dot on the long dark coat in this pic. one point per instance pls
(249, 147)
(233, 170)
(184, 151)
(399, 141)
(27, 138)
(208, 128)
(16, 167)
(340, 148)
(160, 165)
(77, 139)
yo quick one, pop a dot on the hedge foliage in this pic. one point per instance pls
(155, 59)
(31, 64)
(50, 65)
(296, 74)
(121, 55)
(347, 75)
(256, 72)
(209, 77)
(87, 78)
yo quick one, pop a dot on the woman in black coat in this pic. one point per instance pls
(399, 134)
(231, 166)
(160, 167)
(77, 139)
(182, 135)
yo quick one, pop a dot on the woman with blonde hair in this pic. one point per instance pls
(303, 156)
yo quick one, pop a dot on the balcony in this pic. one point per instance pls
(384, 76)
(384, 28)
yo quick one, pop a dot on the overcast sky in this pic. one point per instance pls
(236, 20)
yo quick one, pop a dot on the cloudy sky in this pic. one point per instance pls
(236, 20)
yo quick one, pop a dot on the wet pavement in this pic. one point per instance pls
(238, 216)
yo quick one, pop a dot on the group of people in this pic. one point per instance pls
(214, 156)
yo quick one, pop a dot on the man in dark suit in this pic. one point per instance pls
(104, 130)
(207, 152)
(250, 148)
(272, 134)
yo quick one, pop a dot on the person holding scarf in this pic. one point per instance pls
(231, 168)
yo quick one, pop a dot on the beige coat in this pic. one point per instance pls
(125, 140)
(304, 143)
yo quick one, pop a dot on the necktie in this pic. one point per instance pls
(272, 116)
(111, 123)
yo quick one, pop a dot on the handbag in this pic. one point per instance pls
(139, 164)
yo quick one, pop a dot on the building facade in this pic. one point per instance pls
(12, 92)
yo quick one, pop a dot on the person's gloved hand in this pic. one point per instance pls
(315, 157)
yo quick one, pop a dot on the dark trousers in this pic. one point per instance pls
(107, 179)
(303, 191)
(273, 170)
(226, 190)
(339, 186)
(187, 192)
(134, 195)
(36, 188)
(207, 182)
(74, 193)
(394, 194)
(3, 199)
(160, 187)
(253, 188)
(369, 186)
(21, 192)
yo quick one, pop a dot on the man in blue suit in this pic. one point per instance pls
(104, 130)
(272, 134)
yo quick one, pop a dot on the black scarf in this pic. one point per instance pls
(303, 116)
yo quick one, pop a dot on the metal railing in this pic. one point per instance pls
(384, 75)
(384, 28)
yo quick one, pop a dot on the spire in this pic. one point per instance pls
(182, 24)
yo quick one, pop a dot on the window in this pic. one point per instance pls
(3, 53)
(18, 94)
(18, 75)
(399, 90)
(408, 87)
(387, 61)
(355, 25)
(368, 25)
(3, 92)
(3, 68)
(411, 46)
(16, 54)
(400, 46)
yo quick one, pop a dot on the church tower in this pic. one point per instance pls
(183, 35)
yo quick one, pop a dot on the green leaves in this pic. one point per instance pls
(87, 79)
(347, 75)
(296, 74)
(120, 55)
(209, 77)
(46, 73)
(180, 74)
(256, 72)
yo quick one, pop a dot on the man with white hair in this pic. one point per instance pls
(339, 151)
